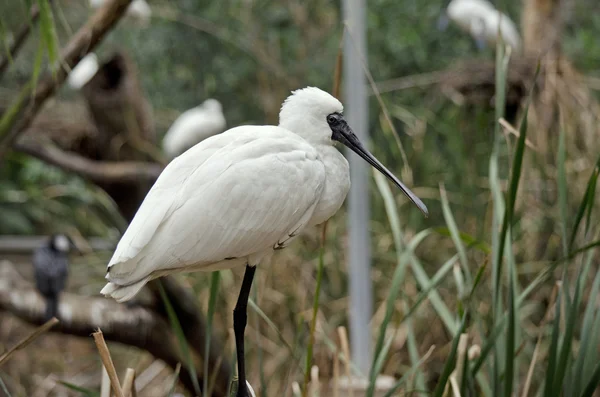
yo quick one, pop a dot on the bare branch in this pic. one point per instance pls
(80, 315)
(95, 171)
(21, 113)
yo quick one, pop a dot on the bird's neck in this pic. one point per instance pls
(315, 132)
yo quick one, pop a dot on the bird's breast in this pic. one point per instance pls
(337, 184)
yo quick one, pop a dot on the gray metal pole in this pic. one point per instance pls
(359, 250)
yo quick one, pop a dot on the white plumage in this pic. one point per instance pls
(138, 10)
(235, 197)
(484, 22)
(83, 71)
(193, 126)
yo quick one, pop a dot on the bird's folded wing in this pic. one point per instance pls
(161, 196)
(245, 198)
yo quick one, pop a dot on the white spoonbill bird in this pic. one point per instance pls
(193, 126)
(484, 22)
(83, 71)
(138, 10)
(236, 197)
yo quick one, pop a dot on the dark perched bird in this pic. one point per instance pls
(51, 267)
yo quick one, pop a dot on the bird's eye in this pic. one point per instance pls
(331, 119)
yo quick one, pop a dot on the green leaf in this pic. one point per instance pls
(48, 31)
(553, 353)
(85, 392)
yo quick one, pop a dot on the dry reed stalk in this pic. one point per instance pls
(23, 343)
(104, 383)
(129, 383)
(336, 375)
(346, 350)
(108, 363)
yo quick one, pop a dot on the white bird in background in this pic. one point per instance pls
(83, 71)
(236, 197)
(193, 126)
(138, 10)
(483, 22)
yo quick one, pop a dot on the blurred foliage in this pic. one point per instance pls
(250, 54)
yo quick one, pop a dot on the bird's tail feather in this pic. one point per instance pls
(122, 293)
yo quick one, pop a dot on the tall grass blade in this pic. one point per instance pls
(567, 339)
(397, 278)
(413, 354)
(517, 164)
(212, 302)
(378, 364)
(594, 382)
(48, 32)
(469, 240)
(37, 65)
(5, 45)
(586, 205)
(553, 352)
(176, 377)
(271, 325)
(5, 389)
(313, 322)
(562, 190)
(439, 276)
(183, 345)
(434, 297)
(455, 234)
(592, 354)
(511, 332)
(84, 392)
(498, 199)
(259, 352)
(415, 367)
(451, 360)
(584, 344)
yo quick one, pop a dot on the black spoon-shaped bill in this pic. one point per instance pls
(344, 134)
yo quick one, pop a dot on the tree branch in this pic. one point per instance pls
(80, 315)
(22, 111)
(95, 171)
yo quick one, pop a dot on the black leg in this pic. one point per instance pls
(240, 319)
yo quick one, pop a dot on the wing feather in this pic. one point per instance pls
(244, 198)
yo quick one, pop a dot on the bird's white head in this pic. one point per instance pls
(305, 113)
(212, 105)
(317, 117)
(60, 243)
